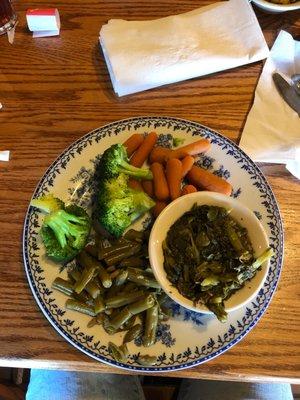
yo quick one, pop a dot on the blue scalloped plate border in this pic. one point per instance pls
(261, 302)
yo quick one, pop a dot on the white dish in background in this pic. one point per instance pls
(242, 214)
(276, 8)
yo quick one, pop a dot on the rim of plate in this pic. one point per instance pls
(271, 7)
(141, 368)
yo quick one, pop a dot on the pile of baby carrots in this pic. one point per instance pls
(169, 167)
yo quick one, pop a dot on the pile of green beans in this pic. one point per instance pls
(113, 283)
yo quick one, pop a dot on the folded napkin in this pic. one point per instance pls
(272, 130)
(141, 55)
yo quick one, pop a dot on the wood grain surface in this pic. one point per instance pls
(54, 90)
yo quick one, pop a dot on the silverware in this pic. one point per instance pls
(287, 92)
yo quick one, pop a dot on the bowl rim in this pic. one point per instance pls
(268, 5)
(174, 293)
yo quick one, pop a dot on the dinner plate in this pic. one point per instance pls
(187, 338)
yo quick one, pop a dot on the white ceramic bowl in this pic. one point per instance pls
(242, 214)
(276, 8)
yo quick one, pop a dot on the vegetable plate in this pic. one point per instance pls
(185, 338)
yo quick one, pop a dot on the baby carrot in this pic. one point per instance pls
(203, 179)
(200, 146)
(148, 188)
(188, 189)
(133, 143)
(161, 189)
(162, 155)
(174, 177)
(142, 153)
(134, 184)
(157, 209)
(187, 163)
(159, 154)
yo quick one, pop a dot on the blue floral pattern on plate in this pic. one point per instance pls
(187, 338)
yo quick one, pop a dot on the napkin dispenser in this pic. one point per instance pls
(43, 22)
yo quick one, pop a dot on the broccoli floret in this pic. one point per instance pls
(115, 161)
(116, 186)
(65, 229)
(48, 203)
(119, 208)
(119, 205)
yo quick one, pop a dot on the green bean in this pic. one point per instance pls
(121, 277)
(70, 278)
(87, 261)
(141, 305)
(92, 288)
(117, 247)
(63, 286)
(123, 299)
(83, 308)
(121, 254)
(118, 353)
(150, 326)
(75, 274)
(129, 287)
(99, 304)
(147, 360)
(86, 277)
(120, 318)
(132, 234)
(83, 297)
(103, 245)
(107, 327)
(105, 278)
(115, 294)
(132, 309)
(128, 324)
(142, 279)
(132, 333)
(133, 261)
(98, 320)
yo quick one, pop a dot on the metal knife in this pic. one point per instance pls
(287, 92)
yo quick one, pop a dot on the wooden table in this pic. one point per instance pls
(57, 89)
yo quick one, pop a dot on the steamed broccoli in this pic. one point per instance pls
(115, 161)
(65, 229)
(119, 205)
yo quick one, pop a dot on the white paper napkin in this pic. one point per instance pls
(141, 55)
(272, 130)
(4, 155)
